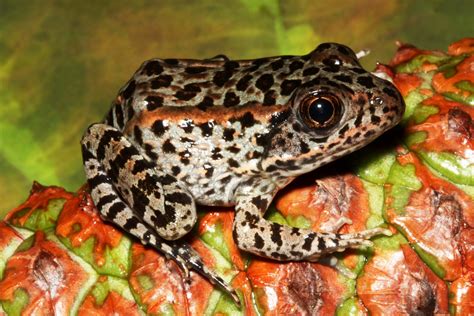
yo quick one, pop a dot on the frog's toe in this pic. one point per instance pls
(369, 233)
(194, 261)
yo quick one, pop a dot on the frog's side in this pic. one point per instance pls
(222, 132)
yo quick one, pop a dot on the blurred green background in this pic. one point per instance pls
(62, 62)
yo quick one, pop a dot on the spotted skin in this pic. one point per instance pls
(232, 133)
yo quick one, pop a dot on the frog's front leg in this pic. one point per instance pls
(129, 191)
(155, 197)
(257, 235)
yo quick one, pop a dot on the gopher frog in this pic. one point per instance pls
(232, 133)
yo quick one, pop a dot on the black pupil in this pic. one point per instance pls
(321, 110)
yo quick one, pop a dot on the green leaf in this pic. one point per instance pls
(455, 168)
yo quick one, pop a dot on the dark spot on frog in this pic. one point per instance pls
(128, 91)
(260, 203)
(137, 133)
(332, 69)
(171, 61)
(264, 82)
(297, 254)
(192, 87)
(185, 95)
(310, 71)
(358, 70)
(243, 83)
(232, 163)
(270, 97)
(175, 170)
(130, 112)
(206, 102)
(247, 120)
(119, 115)
(288, 86)
(139, 166)
(391, 92)
(296, 127)
(209, 171)
(295, 66)
(358, 119)
(348, 140)
(322, 47)
(366, 82)
(161, 81)
(233, 149)
(158, 128)
(195, 70)
(258, 241)
(276, 234)
(332, 61)
(344, 78)
(231, 99)
(131, 223)
(304, 148)
(279, 256)
(188, 92)
(153, 102)
(375, 119)
(344, 50)
(259, 61)
(261, 140)
(360, 100)
(343, 129)
(216, 154)
(206, 128)
(229, 134)
(221, 77)
(277, 64)
(308, 242)
(179, 198)
(187, 126)
(369, 133)
(168, 147)
(150, 153)
(184, 157)
(231, 64)
(153, 68)
(105, 200)
(187, 140)
(106, 139)
(115, 209)
(167, 179)
(225, 180)
(210, 192)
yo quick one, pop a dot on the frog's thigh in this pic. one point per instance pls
(257, 235)
(155, 197)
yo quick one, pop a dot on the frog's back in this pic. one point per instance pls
(218, 82)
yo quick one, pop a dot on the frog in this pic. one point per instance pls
(232, 133)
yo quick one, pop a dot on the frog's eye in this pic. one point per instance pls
(321, 111)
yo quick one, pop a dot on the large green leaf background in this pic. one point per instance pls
(62, 62)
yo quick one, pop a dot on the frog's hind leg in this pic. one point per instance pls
(112, 164)
(255, 234)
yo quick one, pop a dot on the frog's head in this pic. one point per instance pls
(336, 111)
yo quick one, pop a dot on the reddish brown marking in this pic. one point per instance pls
(220, 115)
